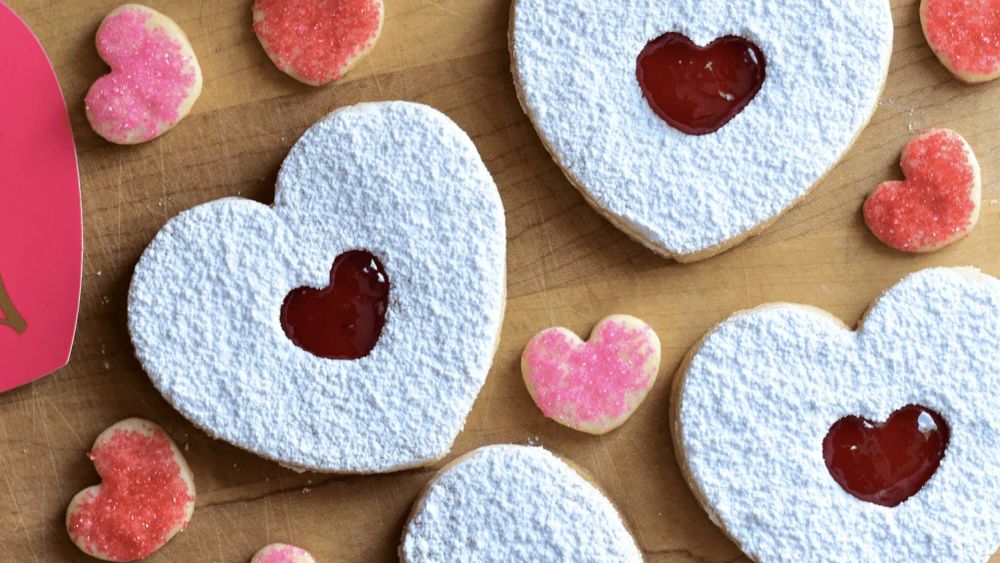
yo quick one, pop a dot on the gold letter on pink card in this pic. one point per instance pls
(41, 242)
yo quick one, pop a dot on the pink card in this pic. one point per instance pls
(41, 238)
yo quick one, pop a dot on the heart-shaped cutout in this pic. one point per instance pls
(685, 196)
(317, 41)
(282, 553)
(886, 463)
(145, 498)
(344, 320)
(698, 90)
(965, 36)
(592, 386)
(514, 503)
(41, 233)
(770, 424)
(155, 77)
(938, 203)
(391, 183)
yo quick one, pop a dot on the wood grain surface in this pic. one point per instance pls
(568, 266)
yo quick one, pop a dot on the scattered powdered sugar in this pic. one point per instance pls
(575, 65)
(515, 503)
(766, 386)
(397, 179)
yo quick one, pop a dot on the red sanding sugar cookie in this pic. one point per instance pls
(317, 41)
(145, 497)
(965, 36)
(937, 204)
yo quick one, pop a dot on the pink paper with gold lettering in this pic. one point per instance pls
(41, 241)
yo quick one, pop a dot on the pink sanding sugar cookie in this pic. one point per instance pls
(145, 498)
(965, 36)
(592, 386)
(317, 41)
(939, 201)
(282, 553)
(41, 238)
(155, 78)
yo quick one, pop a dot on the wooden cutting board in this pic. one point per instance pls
(568, 266)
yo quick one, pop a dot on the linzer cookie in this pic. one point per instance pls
(692, 124)
(807, 441)
(514, 503)
(346, 328)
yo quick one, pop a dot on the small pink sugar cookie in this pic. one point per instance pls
(592, 386)
(938, 203)
(154, 81)
(282, 553)
(965, 36)
(145, 497)
(317, 41)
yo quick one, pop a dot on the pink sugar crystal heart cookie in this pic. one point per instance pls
(282, 553)
(939, 201)
(41, 237)
(146, 495)
(317, 41)
(592, 386)
(154, 81)
(965, 36)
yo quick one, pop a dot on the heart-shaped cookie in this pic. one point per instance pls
(686, 191)
(807, 441)
(145, 498)
(154, 81)
(398, 181)
(41, 234)
(317, 41)
(592, 386)
(282, 553)
(965, 36)
(938, 203)
(514, 503)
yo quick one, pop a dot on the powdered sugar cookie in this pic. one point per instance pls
(317, 41)
(234, 318)
(939, 201)
(145, 498)
(282, 553)
(691, 150)
(886, 439)
(514, 503)
(965, 36)
(155, 78)
(592, 386)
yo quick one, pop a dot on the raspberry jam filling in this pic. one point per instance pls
(344, 320)
(886, 463)
(698, 90)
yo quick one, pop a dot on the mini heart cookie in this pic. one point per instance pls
(155, 78)
(807, 441)
(514, 503)
(692, 124)
(592, 386)
(317, 41)
(41, 232)
(145, 498)
(938, 203)
(965, 36)
(234, 318)
(282, 553)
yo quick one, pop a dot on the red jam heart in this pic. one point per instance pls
(698, 90)
(9, 315)
(889, 463)
(344, 320)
